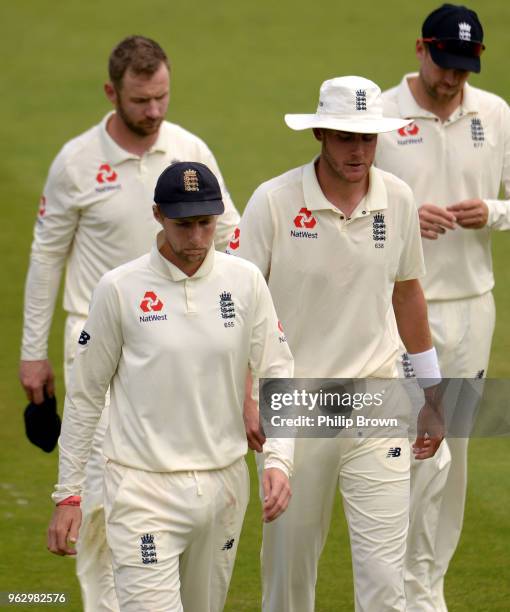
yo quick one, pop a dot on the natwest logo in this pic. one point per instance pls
(151, 302)
(283, 337)
(41, 210)
(409, 135)
(305, 219)
(409, 130)
(106, 174)
(234, 243)
(42, 206)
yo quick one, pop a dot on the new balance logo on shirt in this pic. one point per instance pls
(394, 452)
(84, 338)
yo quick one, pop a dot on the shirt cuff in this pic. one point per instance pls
(64, 491)
(33, 355)
(275, 463)
(279, 453)
(499, 214)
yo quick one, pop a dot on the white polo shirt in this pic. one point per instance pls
(176, 350)
(95, 214)
(467, 156)
(332, 278)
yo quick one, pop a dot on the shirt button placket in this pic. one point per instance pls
(341, 222)
(188, 291)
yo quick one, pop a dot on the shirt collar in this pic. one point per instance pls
(171, 271)
(161, 145)
(377, 196)
(313, 195)
(470, 103)
(115, 154)
(410, 109)
(375, 199)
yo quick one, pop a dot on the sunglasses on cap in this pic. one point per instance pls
(456, 46)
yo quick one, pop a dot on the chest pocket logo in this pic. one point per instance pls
(477, 134)
(227, 308)
(379, 230)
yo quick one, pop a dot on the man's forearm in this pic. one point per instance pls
(410, 310)
(74, 449)
(41, 289)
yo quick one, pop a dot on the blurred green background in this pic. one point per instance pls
(237, 68)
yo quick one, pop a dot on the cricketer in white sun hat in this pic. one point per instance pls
(348, 104)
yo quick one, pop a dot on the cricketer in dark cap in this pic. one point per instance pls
(187, 204)
(188, 189)
(173, 334)
(454, 36)
(455, 156)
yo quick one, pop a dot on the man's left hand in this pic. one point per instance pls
(277, 494)
(471, 214)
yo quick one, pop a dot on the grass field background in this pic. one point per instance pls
(237, 68)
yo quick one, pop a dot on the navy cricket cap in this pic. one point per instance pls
(188, 189)
(455, 37)
(42, 423)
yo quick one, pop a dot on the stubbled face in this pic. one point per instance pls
(142, 100)
(441, 84)
(346, 155)
(187, 240)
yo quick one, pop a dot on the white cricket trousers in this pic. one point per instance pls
(93, 559)
(174, 536)
(462, 334)
(375, 490)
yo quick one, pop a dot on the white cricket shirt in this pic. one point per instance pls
(95, 214)
(332, 278)
(176, 350)
(466, 157)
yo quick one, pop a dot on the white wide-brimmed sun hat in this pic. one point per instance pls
(348, 104)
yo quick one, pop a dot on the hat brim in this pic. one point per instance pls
(181, 210)
(358, 126)
(455, 61)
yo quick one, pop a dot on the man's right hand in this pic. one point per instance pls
(63, 530)
(34, 376)
(277, 493)
(254, 433)
(434, 221)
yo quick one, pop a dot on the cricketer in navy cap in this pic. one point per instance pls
(188, 189)
(455, 37)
